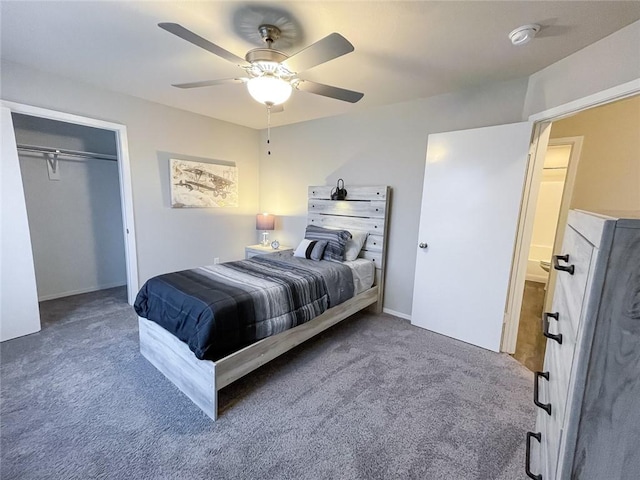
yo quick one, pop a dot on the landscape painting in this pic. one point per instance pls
(201, 184)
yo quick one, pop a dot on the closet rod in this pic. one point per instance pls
(66, 152)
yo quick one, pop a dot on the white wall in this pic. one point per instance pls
(549, 201)
(167, 239)
(382, 146)
(75, 222)
(612, 61)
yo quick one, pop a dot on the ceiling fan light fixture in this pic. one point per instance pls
(269, 90)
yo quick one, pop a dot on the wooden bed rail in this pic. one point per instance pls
(200, 380)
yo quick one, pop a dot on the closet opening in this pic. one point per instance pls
(20, 309)
(71, 181)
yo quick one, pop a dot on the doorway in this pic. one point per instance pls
(20, 314)
(530, 345)
(72, 193)
(606, 180)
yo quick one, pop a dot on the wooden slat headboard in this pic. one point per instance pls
(366, 208)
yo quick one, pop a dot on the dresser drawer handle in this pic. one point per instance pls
(545, 406)
(562, 258)
(527, 464)
(545, 325)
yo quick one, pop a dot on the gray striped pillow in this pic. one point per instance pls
(311, 249)
(336, 241)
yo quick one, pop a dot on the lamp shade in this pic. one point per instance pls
(265, 221)
(269, 89)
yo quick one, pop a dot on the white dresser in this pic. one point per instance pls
(588, 394)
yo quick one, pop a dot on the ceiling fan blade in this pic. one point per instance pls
(209, 83)
(197, 40)
(329, 91)
(330, 47)
(277, 109)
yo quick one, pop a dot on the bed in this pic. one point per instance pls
(189, 356)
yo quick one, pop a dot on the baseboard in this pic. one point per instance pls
(397, 314)
(44, 298)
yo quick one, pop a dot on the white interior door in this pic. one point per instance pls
(473, 186)
(19, 310)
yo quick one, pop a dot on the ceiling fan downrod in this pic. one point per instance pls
(269, 33)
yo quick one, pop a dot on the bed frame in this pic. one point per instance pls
(366, 208)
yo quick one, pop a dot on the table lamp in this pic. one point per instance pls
(265, 222)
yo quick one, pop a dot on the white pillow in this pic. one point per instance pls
(354, 245)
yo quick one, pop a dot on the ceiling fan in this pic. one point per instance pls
(272, 74)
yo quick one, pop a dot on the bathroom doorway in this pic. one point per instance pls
(604, 131)
(555, 185)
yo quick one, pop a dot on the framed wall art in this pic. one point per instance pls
(202, 185)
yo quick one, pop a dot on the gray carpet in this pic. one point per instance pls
(372, 398)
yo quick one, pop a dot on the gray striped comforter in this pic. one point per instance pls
(222, 308)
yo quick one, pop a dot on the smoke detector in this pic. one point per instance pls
(524, 34)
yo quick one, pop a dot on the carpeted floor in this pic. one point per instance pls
(372, 398)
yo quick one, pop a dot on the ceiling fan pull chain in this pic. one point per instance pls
(268, 129)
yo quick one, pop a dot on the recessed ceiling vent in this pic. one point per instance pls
(524, 34)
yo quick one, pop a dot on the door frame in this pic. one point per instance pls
(567, 192)
(541, 131)
(124, 172)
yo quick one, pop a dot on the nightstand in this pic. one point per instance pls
(253, 250)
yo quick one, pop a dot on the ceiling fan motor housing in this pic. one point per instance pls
(267, 60)
(265, 55)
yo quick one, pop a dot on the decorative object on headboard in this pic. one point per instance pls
(339, 193)
(265, 222)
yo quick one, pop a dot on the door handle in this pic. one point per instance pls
(545, 406)
(562, 258)
(545, 322)
(527, 463)
(423, 245)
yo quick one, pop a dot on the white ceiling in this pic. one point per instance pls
(403, 50)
